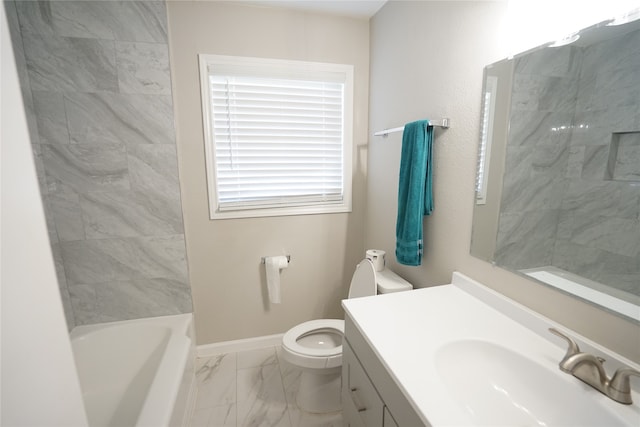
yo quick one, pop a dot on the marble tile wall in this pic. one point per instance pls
(571, 194)
(599, 228)
(542, 108)
(97, 85)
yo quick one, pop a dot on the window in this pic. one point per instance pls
(278, 136)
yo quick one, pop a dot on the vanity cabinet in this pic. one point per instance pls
(370, 397)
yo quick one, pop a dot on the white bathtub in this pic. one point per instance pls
(610, 298)
(137, 372)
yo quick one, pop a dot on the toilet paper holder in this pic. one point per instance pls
(263, 258)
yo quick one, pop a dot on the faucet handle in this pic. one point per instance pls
(572, 348)
(620, 387)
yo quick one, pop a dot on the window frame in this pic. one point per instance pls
(280, 69)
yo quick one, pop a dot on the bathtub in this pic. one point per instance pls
(137, 372)
(612, 299)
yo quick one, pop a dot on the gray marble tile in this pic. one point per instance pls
(541, 93)
(40, 170)
(50, 219)
(130, 214)
(63, 287)
(559, 62)
(618, 272)
(596, 127)
(618, 53)
(141, 21)
(604, 198)
(66, 211)
(539, 127)
(87, 167)
(84, 302)
(216, 378)
(36, 17)
(596, 158)
(108, 260)
(21, 66)
(132, 299)
(625, 163)
(616, 235)
(261, 400)
(133, 119)
(575, 162)
(143, 68)
(618, 88)
(154, 168)
(526, 191)
(525, 240)
(85, 19)
(108, 20)
(550, 159)
(70, 64)
(51, 117)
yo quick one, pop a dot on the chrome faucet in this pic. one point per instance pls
(590, 370)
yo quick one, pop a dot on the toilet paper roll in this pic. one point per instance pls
(376, 256)
(273, 265)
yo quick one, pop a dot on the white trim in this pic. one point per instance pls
(281, 69)
(255, 343)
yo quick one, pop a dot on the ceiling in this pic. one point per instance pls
(355, 8)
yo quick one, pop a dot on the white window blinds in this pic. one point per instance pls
(486, 136)
(278, 138)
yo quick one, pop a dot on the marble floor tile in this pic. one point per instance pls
(261, 400)
(216, 377)
(256, 358)
(218, 416)
(252, 388)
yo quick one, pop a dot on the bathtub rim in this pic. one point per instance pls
(180, 348)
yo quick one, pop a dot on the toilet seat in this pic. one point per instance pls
(310, 357)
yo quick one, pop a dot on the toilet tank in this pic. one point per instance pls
(389, 282)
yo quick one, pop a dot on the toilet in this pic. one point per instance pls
(315, 346)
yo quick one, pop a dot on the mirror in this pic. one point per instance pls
(558, 187)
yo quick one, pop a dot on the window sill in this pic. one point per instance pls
(288, 211)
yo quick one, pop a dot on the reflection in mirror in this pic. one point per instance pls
(558, 191)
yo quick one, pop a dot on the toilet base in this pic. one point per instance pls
(319, 393)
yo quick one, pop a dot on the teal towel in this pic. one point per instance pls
(415, 198)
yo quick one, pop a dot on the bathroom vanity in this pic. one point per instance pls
(462, 354)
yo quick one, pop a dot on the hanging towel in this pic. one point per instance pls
(415, 199)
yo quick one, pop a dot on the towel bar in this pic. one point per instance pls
(443, 123)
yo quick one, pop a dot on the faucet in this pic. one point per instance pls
(590, 370)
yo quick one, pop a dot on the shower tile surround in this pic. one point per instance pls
(97, 88)
(575, 132)
(252, 388)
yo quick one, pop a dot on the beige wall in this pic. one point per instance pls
(426, 62)
(227, 280)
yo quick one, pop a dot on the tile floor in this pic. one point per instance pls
(250, 389)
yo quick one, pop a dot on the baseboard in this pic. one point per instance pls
(255, 343)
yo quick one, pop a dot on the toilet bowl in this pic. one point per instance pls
(315, 346)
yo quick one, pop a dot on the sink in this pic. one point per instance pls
(497, 386)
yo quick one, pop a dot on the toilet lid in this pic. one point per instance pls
(363, 282)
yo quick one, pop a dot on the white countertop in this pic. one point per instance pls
(406, 330)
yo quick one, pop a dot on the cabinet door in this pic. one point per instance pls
(388, 419)
(362, 403)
